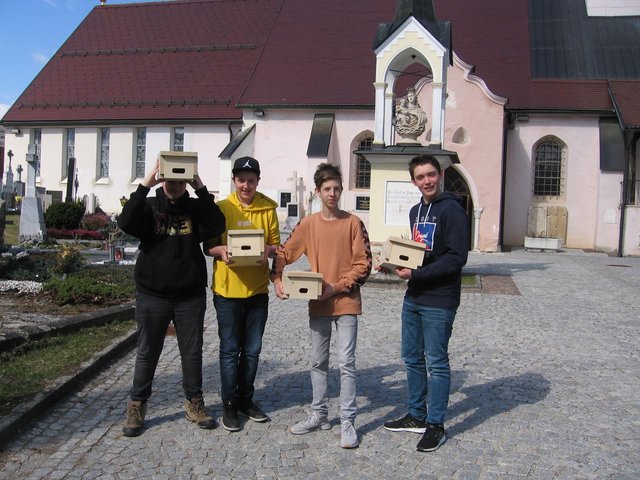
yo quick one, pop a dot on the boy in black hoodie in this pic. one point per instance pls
(171, 281)
(430, 303)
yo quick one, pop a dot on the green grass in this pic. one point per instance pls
(34, 365)
(469, 280)
(12, 229)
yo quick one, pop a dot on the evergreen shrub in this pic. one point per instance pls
(66, 215)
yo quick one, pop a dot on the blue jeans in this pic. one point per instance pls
(153, 315)
(347, 334)
(426, 330)
(241, 323)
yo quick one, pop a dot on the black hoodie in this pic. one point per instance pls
(437, 282)
(171, 263)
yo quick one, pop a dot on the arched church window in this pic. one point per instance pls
(548, 176)
(362, 172)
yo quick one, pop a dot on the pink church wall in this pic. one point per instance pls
(580, 134)
(472, 108)
(281, 142)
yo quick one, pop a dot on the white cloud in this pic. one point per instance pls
(51, 3)
(40, 57)
(3, 109)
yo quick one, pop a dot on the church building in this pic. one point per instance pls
(532, 105)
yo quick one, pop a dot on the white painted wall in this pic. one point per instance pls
(583, 196)
(208, 141)
(632, 231)
(609, 195)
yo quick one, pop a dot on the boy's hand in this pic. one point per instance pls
(222, 252)
(269, 252)
(328, 291)
(196, 183)
(279, 288)
(151, 180)
(404, 273)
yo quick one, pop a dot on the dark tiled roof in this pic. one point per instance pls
(627, 100)
(154, 61)
(566, 43)
(493, 36)
(320, 53)
(196, 60)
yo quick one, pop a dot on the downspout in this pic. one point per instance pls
(503, 180)
(230, 131)
(628, 138)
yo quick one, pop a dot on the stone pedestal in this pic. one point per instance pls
(31, 219)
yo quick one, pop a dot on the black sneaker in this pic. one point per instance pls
(433, 437)
(230, 417)
(406, 424)
(253, 411)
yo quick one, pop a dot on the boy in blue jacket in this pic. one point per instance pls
(430, 303)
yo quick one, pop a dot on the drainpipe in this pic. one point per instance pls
(628, 140)
(503, 180)
(230, 131)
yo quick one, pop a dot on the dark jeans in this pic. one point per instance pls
(153, 315)
(241, 323)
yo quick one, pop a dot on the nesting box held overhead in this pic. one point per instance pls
(178, 165)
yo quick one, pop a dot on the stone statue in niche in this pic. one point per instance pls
(410, 119)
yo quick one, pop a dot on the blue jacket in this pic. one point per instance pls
(438, 281)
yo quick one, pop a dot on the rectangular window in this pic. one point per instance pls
(611, 146)
(37, 141)
(141, 151)
(104, 153)
(178, 139)
(70, 149)
(71, 143)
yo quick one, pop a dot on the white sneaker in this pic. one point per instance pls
(314, 422)
(349, 438)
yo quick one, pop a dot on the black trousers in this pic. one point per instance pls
(153, 315)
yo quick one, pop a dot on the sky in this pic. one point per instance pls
(31, 32)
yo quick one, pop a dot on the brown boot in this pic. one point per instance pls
(197, 413)
(136, 411)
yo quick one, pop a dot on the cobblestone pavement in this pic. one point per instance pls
(545, 386)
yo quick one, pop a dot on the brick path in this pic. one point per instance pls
(545, 386)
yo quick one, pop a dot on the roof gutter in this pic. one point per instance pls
(129, 122)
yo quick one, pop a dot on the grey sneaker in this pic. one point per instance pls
(314, 422)
(349, 438)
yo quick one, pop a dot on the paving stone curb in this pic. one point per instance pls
(67, 324)
(22, 415)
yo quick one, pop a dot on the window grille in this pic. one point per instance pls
(37, 141)
(178, 139)
(71, 143)
(104, 153)
(141, 151)
(548, 169)
(363, 167)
